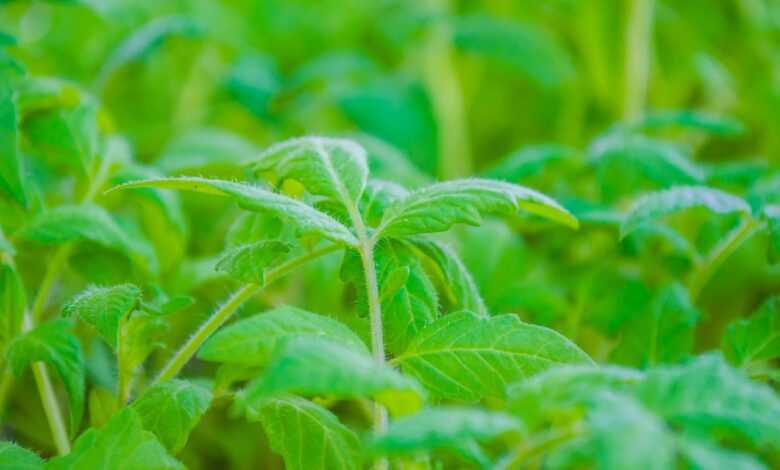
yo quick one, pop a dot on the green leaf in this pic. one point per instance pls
(702, 455)
(707, 397)
(121, 444)
(167, 202)
(377, 197)
(529, 161)
(556, 391)
(438, 207)
(53, 343)
(307, 219)
(35, 94)
(519, 46)
(13, 302)
(205, 149)
(654, 206)
(459, 286)
(755, 339)
(466, 357)
(332, 168)
(387, 162)
(307, 436)
(251, 341)
(612, 421)
(171, 410)
(407, 307)
(621, 156)
(11, 169)
(13, 457)
(104, 308)
(87, 222)
(688, 119)
(312, 365)
(145, 40)
(442, 427)
(248, 262)
(68, 137)
(665, 334)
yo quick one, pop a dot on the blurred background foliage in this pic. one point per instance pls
(593, 102)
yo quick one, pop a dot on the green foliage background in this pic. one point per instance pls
(654, 122)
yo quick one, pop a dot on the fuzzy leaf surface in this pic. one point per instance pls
(104, 308)
(438, 207)
(306, 218)
(306, 435)
(466, 357)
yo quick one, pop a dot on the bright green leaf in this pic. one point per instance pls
(312, 365)
(251, 341)
(754, 339)
(13, 457)
(438, 207)
(307, 436)
(308, 219)
(121, 444)
(466, 357)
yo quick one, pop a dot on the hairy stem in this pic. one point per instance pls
(375, 315)
(709, 266)
(223, 313)
(51, 406)
(639, 34)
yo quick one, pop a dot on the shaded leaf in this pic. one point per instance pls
(653, 206)
(11, 169)
(104, 308)
(171, 410)
(53, 343)
(528, 161)
(754, 339)
(205, 149)
(249, 262)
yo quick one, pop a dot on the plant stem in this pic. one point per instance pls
(51, 406)
(375, 315)
(639, 36)
(728, 245)
(53, 271)
(223, 313)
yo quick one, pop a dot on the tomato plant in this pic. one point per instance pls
(389, 235)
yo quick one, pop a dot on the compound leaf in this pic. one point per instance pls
(171, 410)
(104, 308)
(307, 436)
(466, 357)
(312, 365)
(438, 207)
(308, 219)
(653, 206)
(53, 343)
(252, 340)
